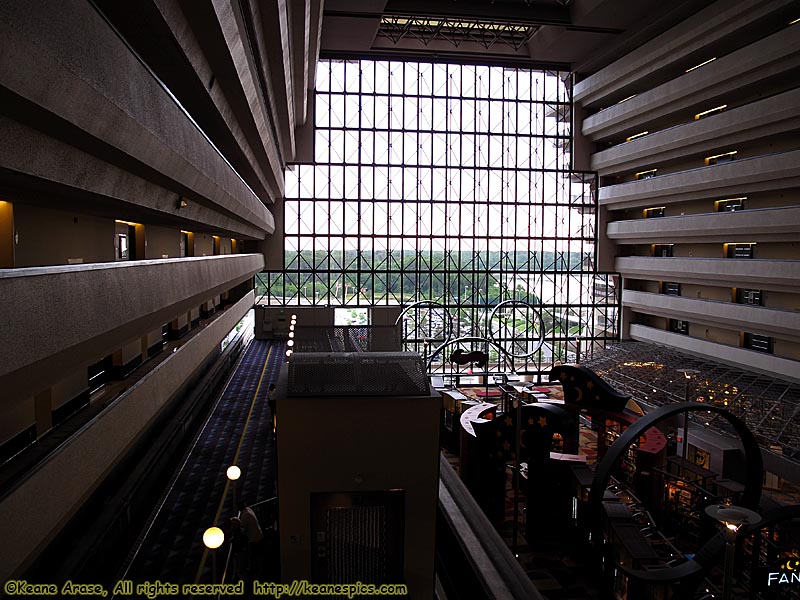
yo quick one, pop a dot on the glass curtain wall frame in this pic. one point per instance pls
(448, 183)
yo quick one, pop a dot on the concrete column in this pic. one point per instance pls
(70, 394)
(273, 246)
(178, 327)
(194, 316)
(207, 308)
(151, 343)
(18, 415)
(139, 243)
(126, 359)
(43, 410)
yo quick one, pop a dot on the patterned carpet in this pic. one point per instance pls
(239, 431)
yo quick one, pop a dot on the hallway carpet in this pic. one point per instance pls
(239, 431)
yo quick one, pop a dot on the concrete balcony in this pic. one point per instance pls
(729, 129)
(73, 315)
(85, 459)
(684, 43)
(70, 87)
(739, 317)
(680, 98)
(768, 173)
(762, 225)
(776, 275)
(738, 357)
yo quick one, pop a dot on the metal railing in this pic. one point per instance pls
(349, 338)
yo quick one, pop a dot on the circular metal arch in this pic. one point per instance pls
(704, 557)
(463, 339)
(429, 304)
(538, 314)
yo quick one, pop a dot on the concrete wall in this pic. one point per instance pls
(755, 65)
(778, 275)
(768, 251)
(769, 225)
(704, 292)
(783, 300)
(31, 513)
(18, 413)
(225, 246)
(311, 458)
(738, 357)
(767, 173)
(162, 242)
(128, 353)
(150, 339)
(69, 387)
(384, 316)
(203, 244)
(786, 348)
(150, 133)
(106, 189)
(98, 309)
(739, 317)
(94, 134)
(727, 130)
(685, 44)
(54, 237)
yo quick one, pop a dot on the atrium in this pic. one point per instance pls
(535, 200)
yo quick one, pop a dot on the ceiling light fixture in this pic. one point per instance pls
(701, 64)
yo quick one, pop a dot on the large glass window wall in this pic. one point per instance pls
(449, 184)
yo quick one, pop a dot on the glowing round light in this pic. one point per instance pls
(213, 538)
(288, 353)
(290, 343)
(291, 334)
(294, 317)
(233, 473)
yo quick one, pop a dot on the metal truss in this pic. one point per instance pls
(654, 374)
(448, 183)
(455, 31)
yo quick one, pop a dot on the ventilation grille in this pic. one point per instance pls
(357, 374)
(347, 339)
(358, 549)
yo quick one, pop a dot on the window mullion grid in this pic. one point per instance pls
(461, 273)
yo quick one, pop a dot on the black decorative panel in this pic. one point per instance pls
(357, 374)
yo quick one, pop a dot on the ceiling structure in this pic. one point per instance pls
(577, 35)
(656, 375)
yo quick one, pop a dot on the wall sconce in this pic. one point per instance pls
(182, 203)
